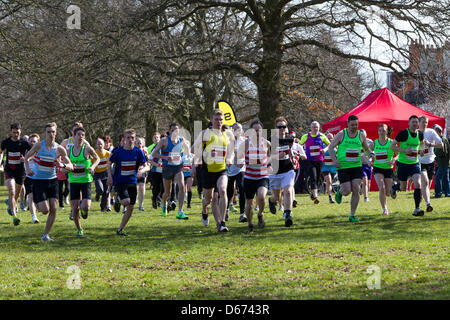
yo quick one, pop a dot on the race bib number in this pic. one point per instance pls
(381, 157)
(79, 170)
(351, 155)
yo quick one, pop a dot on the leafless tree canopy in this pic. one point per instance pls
(144, 64)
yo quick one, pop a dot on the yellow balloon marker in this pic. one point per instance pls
(229, 116)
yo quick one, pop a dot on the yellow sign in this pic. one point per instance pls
(229, 116)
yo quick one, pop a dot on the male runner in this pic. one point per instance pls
(349, 143)
(15, 148)
(427, 162)
(215, 149)
(46, 155)
(172, 148)
(80, 178)
(408, 144)
(127, 159)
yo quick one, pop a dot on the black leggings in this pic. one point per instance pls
(157, 185)
(314, 168)
(239, 178)
(63, 192)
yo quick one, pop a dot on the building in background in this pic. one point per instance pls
(429, 88)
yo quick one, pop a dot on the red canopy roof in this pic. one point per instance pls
(382, 106)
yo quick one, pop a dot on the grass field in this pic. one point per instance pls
(322, 256)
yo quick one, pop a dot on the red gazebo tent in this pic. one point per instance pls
(382, 106)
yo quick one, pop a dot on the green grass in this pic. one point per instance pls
(322, 256)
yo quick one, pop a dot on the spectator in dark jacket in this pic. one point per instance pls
(442, 181)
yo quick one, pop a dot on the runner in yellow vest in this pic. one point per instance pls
(409, 144)
(348, 162)
(215, 149)
(101, 177)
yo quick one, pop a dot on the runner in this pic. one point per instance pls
(172, 148)
(28, 183)
(188, 179)
(140, 143)
(108, 143)
(384, 163)
(14, 149)
(315, 144)
(215, 149)
(256, 177)
(101, 177)
(366, 169)
(46, 155)
(410, 143)
(349, 143)
(328, 170)
(80, 177)
(427, 162)
(236, 175)
(63, 188)
(282, 177)
(126, 159)
(156, 173)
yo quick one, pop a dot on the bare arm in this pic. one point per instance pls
(94, 156)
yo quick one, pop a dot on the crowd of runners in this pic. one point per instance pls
(230, 166)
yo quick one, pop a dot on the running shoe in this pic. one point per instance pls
(80, 233)
(117, 205)
(232, 208)
(34, 218)
(108, 209)
(23, 206)
(189, 206)
(182, 216)
(205, 219)
(16, 221)
(226, 216)
(121, 233)
(366, 199)
(172, 206)
(393, 192)
(316, 201)
(154, 205)
(429, 208)
(222, 228)
(251, 228)
(352, 219)
(288, 221)
(84, 214)
(261, 222)
(280, 208)
(294, 203)
(385, 212)
(272, 207)
(46, 238)
(330, 198)
(256, 208)
(242, 218)
(9, 208)
(164, 211)
(141, 209)
(338, 195)
(418, 212)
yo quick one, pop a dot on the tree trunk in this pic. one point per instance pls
(269, 72)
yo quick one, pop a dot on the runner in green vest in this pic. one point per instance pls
(383, 164)
(80, 154)
(349, 142)
(410, 146)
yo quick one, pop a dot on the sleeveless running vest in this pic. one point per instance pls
(256, 160)
(103, 164)
(383, 154)
(45, 162)
(215, 152)
(412, 157)
(174, 150)
(80, 173)
(348, 153)
(313, 147)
